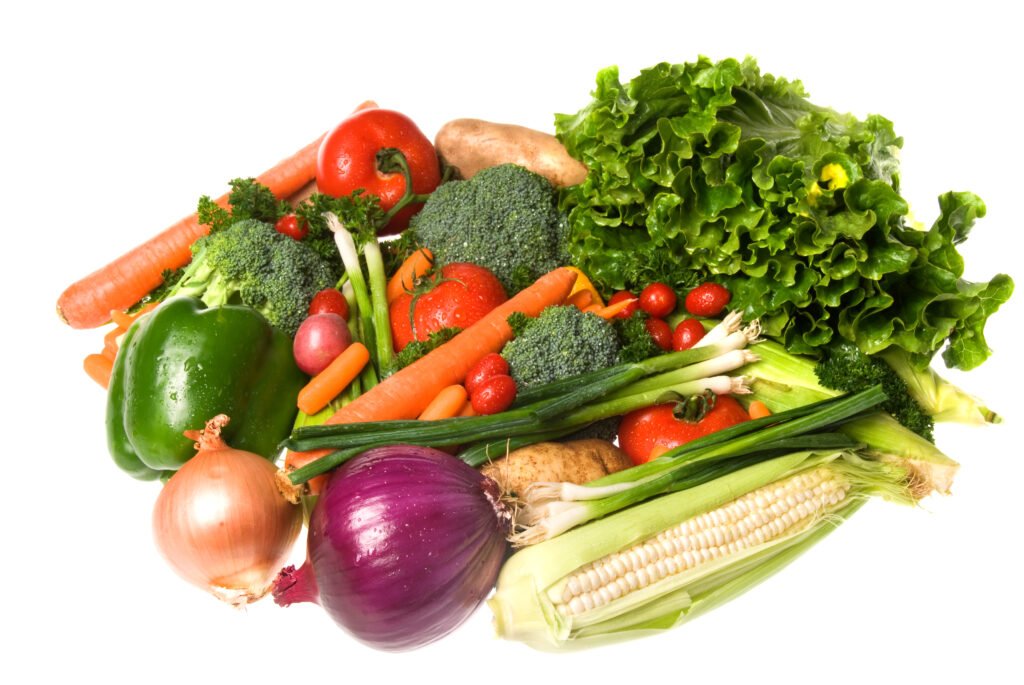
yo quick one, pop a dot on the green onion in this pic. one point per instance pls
(553, 508)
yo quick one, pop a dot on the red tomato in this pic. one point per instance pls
(329, 301)
(290, 226)
(495, 395)
(630, 309)
(491, 364)
(347, 161)
(707, 299)
(661, 332)
(658, 300)
(642, 430)
(459, 298)
(687, 334)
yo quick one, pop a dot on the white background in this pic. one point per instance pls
(116, 118)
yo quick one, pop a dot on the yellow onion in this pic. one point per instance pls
(221, 521)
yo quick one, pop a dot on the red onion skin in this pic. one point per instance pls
(404, 543)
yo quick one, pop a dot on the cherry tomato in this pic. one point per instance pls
(347, 160)
(707, 299)
(661, 332)
(658, 300)
(291, 226)
(687, 334)
(630, 309)
(496, 394)
(644, 429)
(329, 301)
(459, 298)
(491, 364)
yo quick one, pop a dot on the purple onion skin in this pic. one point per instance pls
(405, 542)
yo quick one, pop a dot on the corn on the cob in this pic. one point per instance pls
(757, 518)
(656, 564)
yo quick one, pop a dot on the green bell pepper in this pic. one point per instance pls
(183, 364)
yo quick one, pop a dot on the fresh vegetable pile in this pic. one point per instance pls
(663, 352)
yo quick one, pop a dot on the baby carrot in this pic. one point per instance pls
(448, 403)
(98, 367)
(758, 410)
(110, 339)
(414, 266)
(611, 310)
(327, 384)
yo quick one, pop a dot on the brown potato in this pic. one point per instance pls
(471, 145)
(578, 461)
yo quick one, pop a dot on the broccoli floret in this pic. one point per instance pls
(250, 263)
(504, 218)
(848, 369)
(562, 342)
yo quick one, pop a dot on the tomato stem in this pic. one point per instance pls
(391, 160)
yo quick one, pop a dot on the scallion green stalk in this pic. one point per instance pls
(379, 301)
(605, 496)
(350, 259)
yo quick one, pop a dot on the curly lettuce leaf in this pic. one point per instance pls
(715, 171)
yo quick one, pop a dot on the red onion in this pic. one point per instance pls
(404, 543)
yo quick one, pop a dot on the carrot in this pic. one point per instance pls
(611, 310)
(124, 281)
(98, 367)
(581, 299)
(405, 394)
(448, 403)
(758, 410)
(110, 339)
(326, 385)
(467, 410)
(414, 266)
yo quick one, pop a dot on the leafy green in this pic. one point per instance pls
(417, 349)
(247, 200)
(714, 170)
(637, 342)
